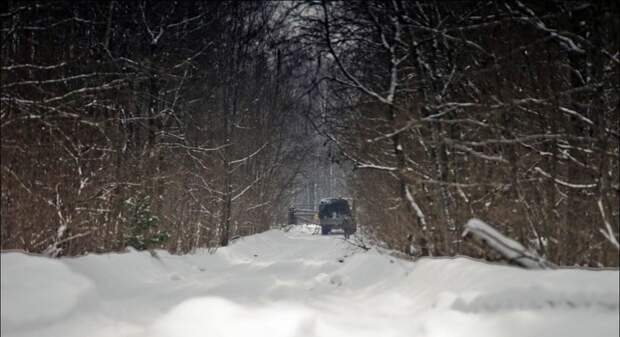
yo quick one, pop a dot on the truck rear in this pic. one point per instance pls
(335, 213)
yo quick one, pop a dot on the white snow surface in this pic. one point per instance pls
(296, 283)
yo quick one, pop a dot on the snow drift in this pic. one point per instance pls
(298, 284)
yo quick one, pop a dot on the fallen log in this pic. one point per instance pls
(482, 234)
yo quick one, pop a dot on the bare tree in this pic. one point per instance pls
(505, 112)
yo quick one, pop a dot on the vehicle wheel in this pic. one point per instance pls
(325, 230)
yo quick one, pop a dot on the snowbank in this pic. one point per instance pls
(298, 284)
(36, 290)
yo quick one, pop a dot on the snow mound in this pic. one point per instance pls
(215, 316)
(36, 290)
(536, 298)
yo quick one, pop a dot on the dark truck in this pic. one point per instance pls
(335, 213)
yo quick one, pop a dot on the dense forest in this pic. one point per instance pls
(150, 124)
(180, 125)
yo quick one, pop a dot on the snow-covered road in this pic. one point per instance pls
(298, 284)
